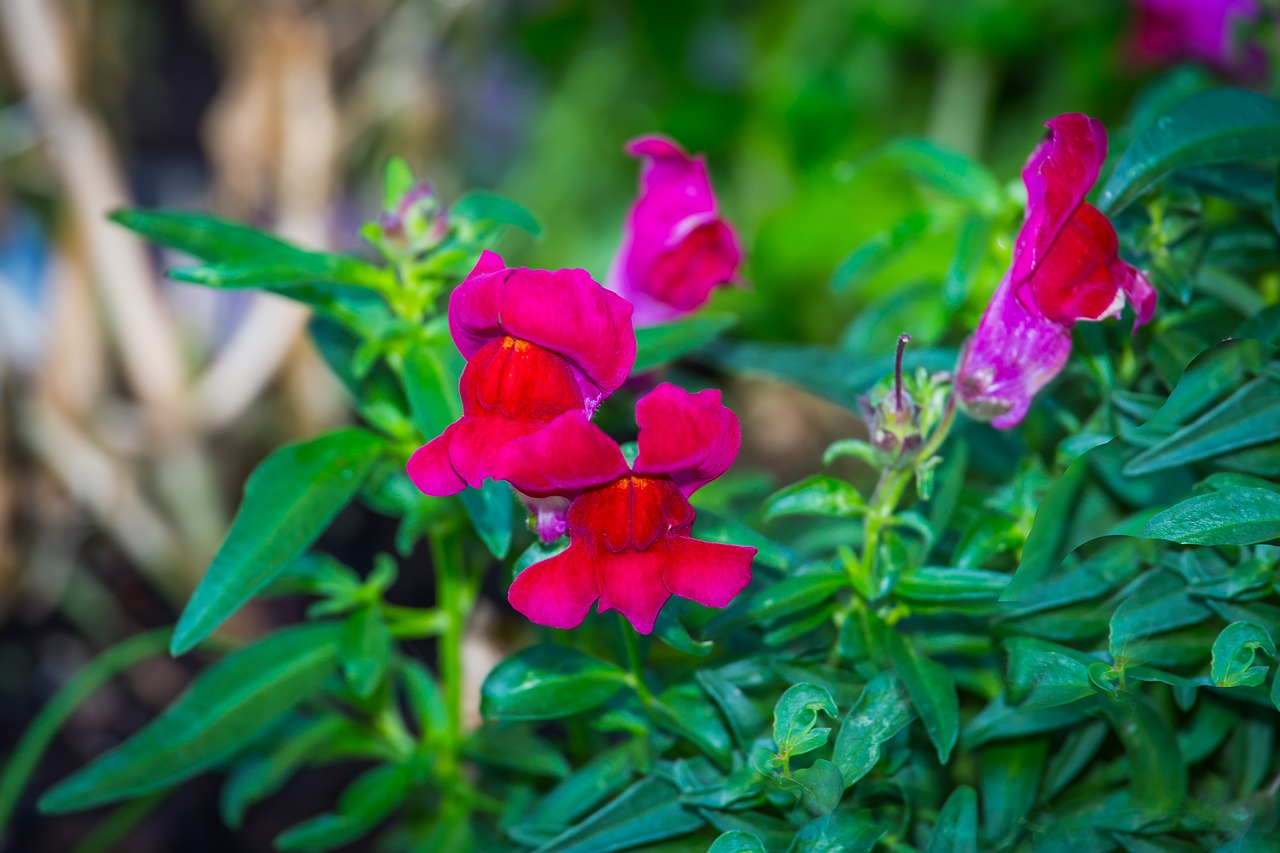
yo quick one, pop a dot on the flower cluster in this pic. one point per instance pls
(1065, 268)
(543, 349)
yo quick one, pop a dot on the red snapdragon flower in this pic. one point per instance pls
(629, 525)
(1208, 31)
(675, 249)
(1065, 269)
(538, 344)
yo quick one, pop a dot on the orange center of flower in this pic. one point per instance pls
(518, 380)
(631, 513)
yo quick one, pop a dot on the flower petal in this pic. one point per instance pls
(691, 438)
(477, 441)
(564, 311)
(1075, 281)
(1058, 175)
(631, 583)
(564, 457)
(1013, 354)
(707, 572)
(675, 249)
(558, 591)
(431, 469)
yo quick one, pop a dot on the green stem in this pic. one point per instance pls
(634, 662)
(451, 599)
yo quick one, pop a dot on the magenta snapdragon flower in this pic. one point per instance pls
(676, 248)
(1066, 268)
(538, 344)
(630, 545)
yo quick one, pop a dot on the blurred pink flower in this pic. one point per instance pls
(675, 248)
(1208, 31)
(1065, 269)
(629, 526)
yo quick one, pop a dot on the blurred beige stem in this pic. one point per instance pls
(108, 488)
(276, 115)
(36, 39)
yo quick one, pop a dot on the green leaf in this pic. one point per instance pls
(843, 831)
(1045, 675)
(253, 779)
(492, 511)
(365, 651)
(672, 631)
(288, 502)
(1009, 780)
(578, 794)
(713, 527)
(226, 706)
(820, 495)
(819, 787)
(205, 237)
(1215, 126)
(361, 807)
(430, 376)
(795, 718)
(956, 829)
(883, 710)
(648, 811)
(944, 169)
(745, 721)
(1237, 516)
(1234, 652)
(1249, 416)
(546, 682)
(933, 693)
(516, 748)
(948, 584)
(1157, 773)
(971, 250)
(875, 253)
(425, 700)
(490, 209)
(667, 342)
(397, 179)
(736, 841)
(280, 271)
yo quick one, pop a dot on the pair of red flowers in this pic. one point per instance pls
(543, 350)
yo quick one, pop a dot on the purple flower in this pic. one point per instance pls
(1065, 269)
(1208, 31)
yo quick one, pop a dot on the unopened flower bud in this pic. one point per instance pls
(892, 413)
(418, 224)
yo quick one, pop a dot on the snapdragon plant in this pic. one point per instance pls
(1038, 611)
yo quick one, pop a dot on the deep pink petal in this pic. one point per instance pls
(1137, 289)
(1075, 280)
(558, 591)
(1013, 354)
(1058, 176)
(707, 572)
(692, 438)
(675, 248)
(517, 380)
(564, 457)
(631, 583)
(564, 311)
(476, 442)
(431, 469)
